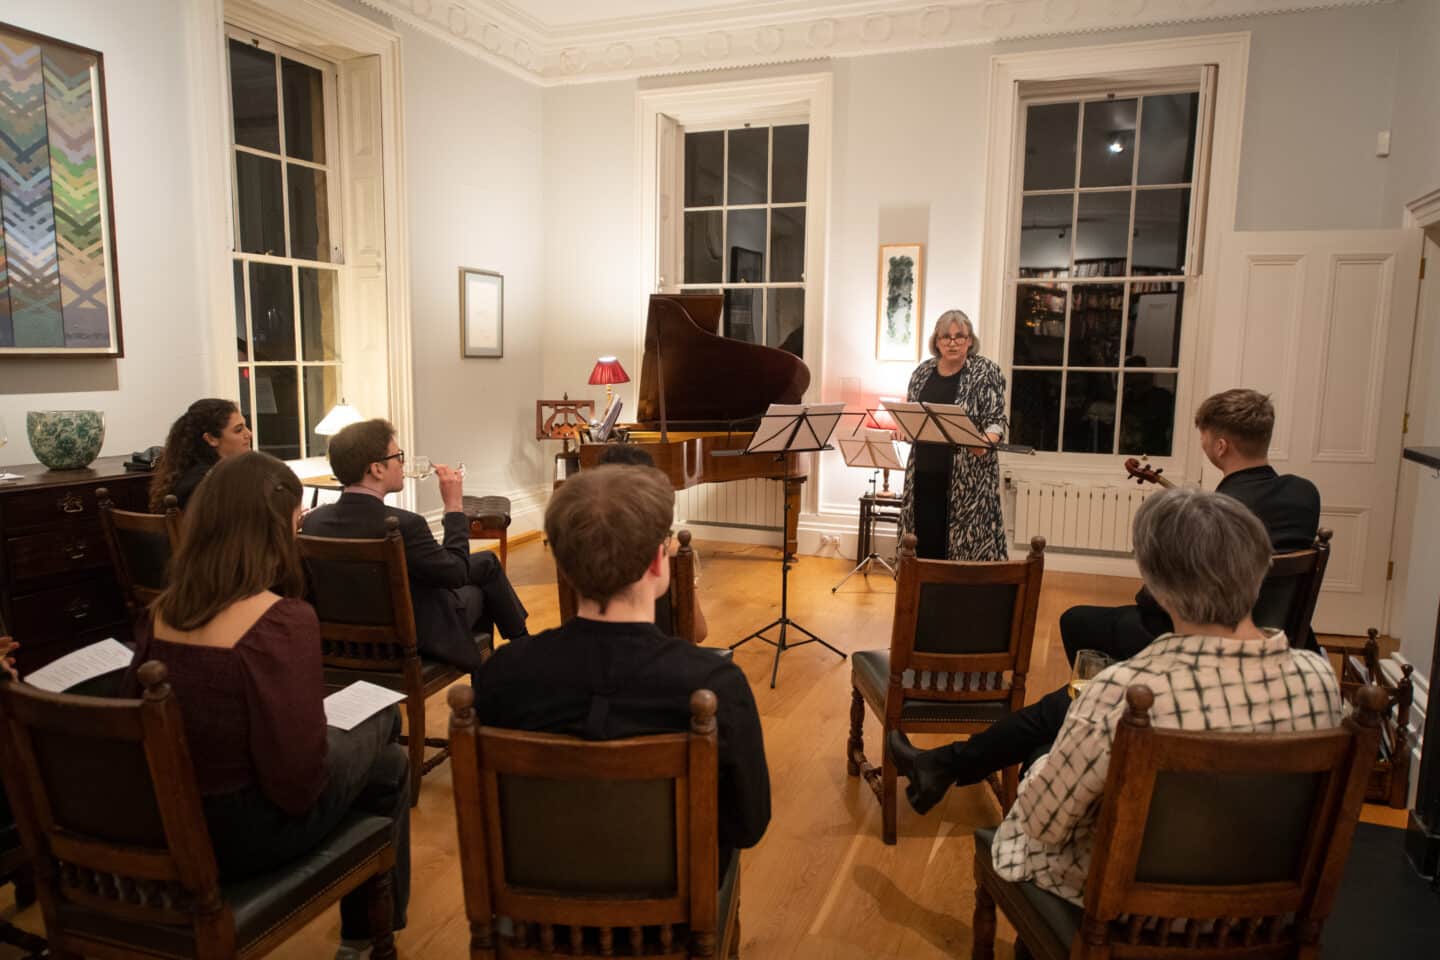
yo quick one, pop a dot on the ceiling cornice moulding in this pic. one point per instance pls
(752, 34)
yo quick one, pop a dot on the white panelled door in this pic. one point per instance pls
(1322, 321)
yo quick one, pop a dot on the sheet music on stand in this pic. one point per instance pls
(945, 423)
(871, 448)
(795, 427)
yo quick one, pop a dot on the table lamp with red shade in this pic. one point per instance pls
(881, 419)
(608, 371)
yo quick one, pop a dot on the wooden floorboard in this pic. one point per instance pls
(820, 884)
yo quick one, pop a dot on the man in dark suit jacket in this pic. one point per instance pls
(457, 595)
(1235, 428)
(610, 672)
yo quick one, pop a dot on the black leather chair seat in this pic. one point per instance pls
(430, 671)
(260, 903)
(871, 672)
(1061, 918)
(489, 511)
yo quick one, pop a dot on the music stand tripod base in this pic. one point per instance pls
(864, 567)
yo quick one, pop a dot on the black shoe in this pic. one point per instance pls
(928, 779)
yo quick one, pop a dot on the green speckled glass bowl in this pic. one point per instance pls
(66, 439)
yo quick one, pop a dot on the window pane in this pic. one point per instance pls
(743, 320)
(1095, 312)
(1107, 156)
(787, 245)
(702, 247)
(317, 313)
(704, 165)
(277, 424)
(1050, 145)
(1162, 220)
(309, 213)
(745, 244)
(1147, 418)
(1040, 325)
(262, 209)
(1153, 337)
(1090, 413)
(245, 394)
(1101, 232)
(749, 165)
(242, 341)
(1035, 409)
(304, 89)
(1045, 236)
(792, 162)
(253, 102)
(322, 391)
(272, 312)
(1167, 138)
(786, 325)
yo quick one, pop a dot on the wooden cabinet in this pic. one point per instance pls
(57, 588)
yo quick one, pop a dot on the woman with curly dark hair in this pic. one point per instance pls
(205, 434)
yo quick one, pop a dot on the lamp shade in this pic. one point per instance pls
(607, 371)
(882, 419)
(340, 416)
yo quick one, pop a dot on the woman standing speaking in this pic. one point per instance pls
(952, 495)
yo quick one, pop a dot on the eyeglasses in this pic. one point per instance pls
(954, 337)
(397, 455)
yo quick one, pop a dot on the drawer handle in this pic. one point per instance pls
(75, 549)
(78, 609)
(71, 503)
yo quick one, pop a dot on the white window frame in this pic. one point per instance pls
(377, 375)
(1076, 72)
(334, 177)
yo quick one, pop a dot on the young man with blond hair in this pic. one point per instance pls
(610, 672)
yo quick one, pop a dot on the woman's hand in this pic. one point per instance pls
(981, 451)
(7, 661)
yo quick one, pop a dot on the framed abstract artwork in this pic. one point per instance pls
(59, 284)
(482, 313)
(901, 283)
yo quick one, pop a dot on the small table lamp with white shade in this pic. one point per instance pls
(340, 416)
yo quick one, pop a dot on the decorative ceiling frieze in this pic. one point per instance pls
(749, 34)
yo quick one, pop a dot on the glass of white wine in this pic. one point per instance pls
(1088, 664)
(422, 468)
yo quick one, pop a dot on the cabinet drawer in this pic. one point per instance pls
(68, 549)
(70, 503)
(63, 612)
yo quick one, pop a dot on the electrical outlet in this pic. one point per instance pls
(1382, 144)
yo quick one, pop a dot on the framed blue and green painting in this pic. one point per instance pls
(59, 286)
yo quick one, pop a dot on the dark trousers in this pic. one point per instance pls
(1019, 738)
(1119, 632)
(930, 493)
(490, 599)
(368, 771)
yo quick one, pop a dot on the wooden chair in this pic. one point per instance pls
(592, 849)
(361, 592)
(1207, 845)
(674, 613)
(1292, 588)
(959, 652)
(105, 795)
(141, 545)
(1389, 781)
(489, 519)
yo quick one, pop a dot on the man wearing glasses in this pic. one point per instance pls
(457, 595)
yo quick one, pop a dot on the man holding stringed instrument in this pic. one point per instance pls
(1235, 428)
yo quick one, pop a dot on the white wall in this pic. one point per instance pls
(1414, 164)
(474, 162)
(166, 342)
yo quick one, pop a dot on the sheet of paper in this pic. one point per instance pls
(871, 448)
(8, 476)
(821, 419)
(348, 708)
(84, 664)
(778, 429)
(915, 422)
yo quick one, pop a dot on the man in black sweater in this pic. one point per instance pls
(1235, 428)
(610, 672)
(457, 595)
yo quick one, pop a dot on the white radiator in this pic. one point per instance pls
(754, 504)
(1077, 517)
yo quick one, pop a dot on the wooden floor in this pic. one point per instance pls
(820, 884)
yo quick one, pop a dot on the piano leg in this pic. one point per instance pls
(792, 515)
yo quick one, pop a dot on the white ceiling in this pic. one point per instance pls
(605, 16)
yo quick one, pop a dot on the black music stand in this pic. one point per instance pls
(789, 428)
(948, 424)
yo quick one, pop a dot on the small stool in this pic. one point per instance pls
(489, 519)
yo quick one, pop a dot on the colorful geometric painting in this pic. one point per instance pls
(58, 292)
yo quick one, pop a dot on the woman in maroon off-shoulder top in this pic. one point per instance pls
(242, 651)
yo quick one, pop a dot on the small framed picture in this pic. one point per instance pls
(899, 292)
(482, 313)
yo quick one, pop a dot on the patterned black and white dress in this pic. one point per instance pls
(976, 524)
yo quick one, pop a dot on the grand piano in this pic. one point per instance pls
(701, 393)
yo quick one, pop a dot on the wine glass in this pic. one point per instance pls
(1088, 664)
(418, 468)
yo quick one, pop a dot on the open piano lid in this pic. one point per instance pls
(694, 379)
